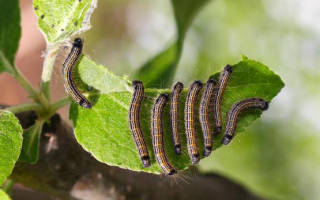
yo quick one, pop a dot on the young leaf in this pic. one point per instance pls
(10, 143)
(160, 70)
(10, 32)
(104, 129)
(31, 140)
(61, 19)
(3, 195)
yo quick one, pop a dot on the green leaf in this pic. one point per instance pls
(3, 195)
(10, 32)
(185, 11)
(61, 19)
(10, 143)
(100, 77)
(160, 70)
(104, 129)
(31, 140)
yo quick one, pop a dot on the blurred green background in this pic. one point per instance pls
(279, 156)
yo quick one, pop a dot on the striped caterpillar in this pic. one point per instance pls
(236, 110)
(213, 92)
(211, 100)
(67, 70)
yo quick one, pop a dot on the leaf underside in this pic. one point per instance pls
(104, 129)
(61, 19)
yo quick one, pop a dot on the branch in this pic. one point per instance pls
(66, 171)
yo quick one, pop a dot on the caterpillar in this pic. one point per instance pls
(69, 84)
(209, 96)
(174, 116)
(236, 110)
(157, 135)
(134, 121)
(189, 121)
(223, 81)
(206, 98)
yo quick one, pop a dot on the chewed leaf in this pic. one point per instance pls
(61, 19)
(3, 195)
(10, 143)
(104, 129)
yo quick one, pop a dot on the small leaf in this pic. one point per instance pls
(31, 140)
(104, 129)
(10, 32)
(61, 19)
(10, 143)
(3, 195)
(160, 70)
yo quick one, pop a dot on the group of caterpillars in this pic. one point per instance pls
(213, 92)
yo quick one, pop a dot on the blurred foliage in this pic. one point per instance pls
(10, 28)
(159, 71)
(3, 195)
(278, 157)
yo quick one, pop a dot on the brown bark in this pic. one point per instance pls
(65, 171)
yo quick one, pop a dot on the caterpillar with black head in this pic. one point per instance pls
(67, 70)
(206, 99)
(223, 81)
(134, 121)
(212, 94)
(174, 115)
(157, 135)
(236, 110)
(190, 123)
